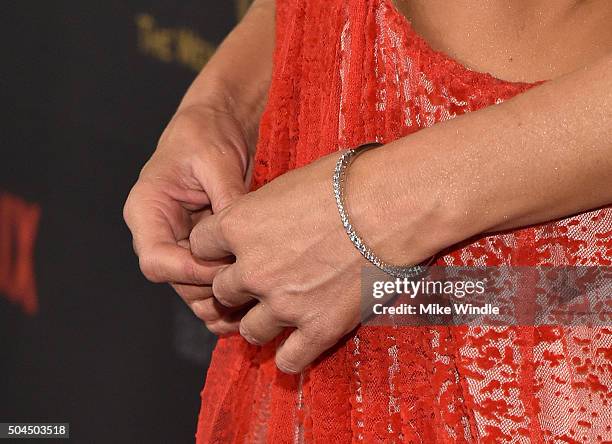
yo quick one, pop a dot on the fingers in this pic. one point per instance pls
(223, 326)
(196, 217)
(153, 216)
(208, 238)
(193, 293)
(219, 320)
(167, 262)
(301, 349)
(208, 310)
(259, 327)
(155, 227)
(228, 287)
(223, 183)
(183, 243)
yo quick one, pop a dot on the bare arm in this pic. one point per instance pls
(237, 78)
(540, 156)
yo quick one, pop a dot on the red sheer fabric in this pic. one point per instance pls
(353, 71)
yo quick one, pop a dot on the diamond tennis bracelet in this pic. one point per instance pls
(400, 271)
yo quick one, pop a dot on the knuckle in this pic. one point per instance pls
(280, 308)
(220, 290)
(224, 299)
(228, 223)
(194, 239)
(228, 287)
(126, 211)
(224, 199)
(250, 278)
(220, 327)
(214, 327)
(248, 334)
(247, 280)
(131, 204)
(322, 335)
(149, 266)
(287, 363)
(204, 311)
(189, 272)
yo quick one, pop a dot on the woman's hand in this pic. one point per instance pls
(529, 160)
(199, 165)
(295, 258)
(503, 167)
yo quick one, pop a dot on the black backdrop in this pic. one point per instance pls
(86, 89)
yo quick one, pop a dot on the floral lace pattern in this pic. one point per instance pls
(351, 71)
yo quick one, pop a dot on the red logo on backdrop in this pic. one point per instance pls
(18, 229)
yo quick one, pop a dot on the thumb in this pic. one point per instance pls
(223, 183)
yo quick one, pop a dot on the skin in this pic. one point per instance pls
(541, 156)
(202, 163)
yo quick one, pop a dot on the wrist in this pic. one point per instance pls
(200, 131)
(244, 104)
(403, 204)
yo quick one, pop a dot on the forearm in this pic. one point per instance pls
(237, 78)
(543, 155)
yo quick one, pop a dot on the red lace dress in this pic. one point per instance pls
(348, 72)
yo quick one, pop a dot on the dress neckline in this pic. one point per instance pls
(445, 61)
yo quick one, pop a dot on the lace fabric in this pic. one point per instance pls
(351, 71)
